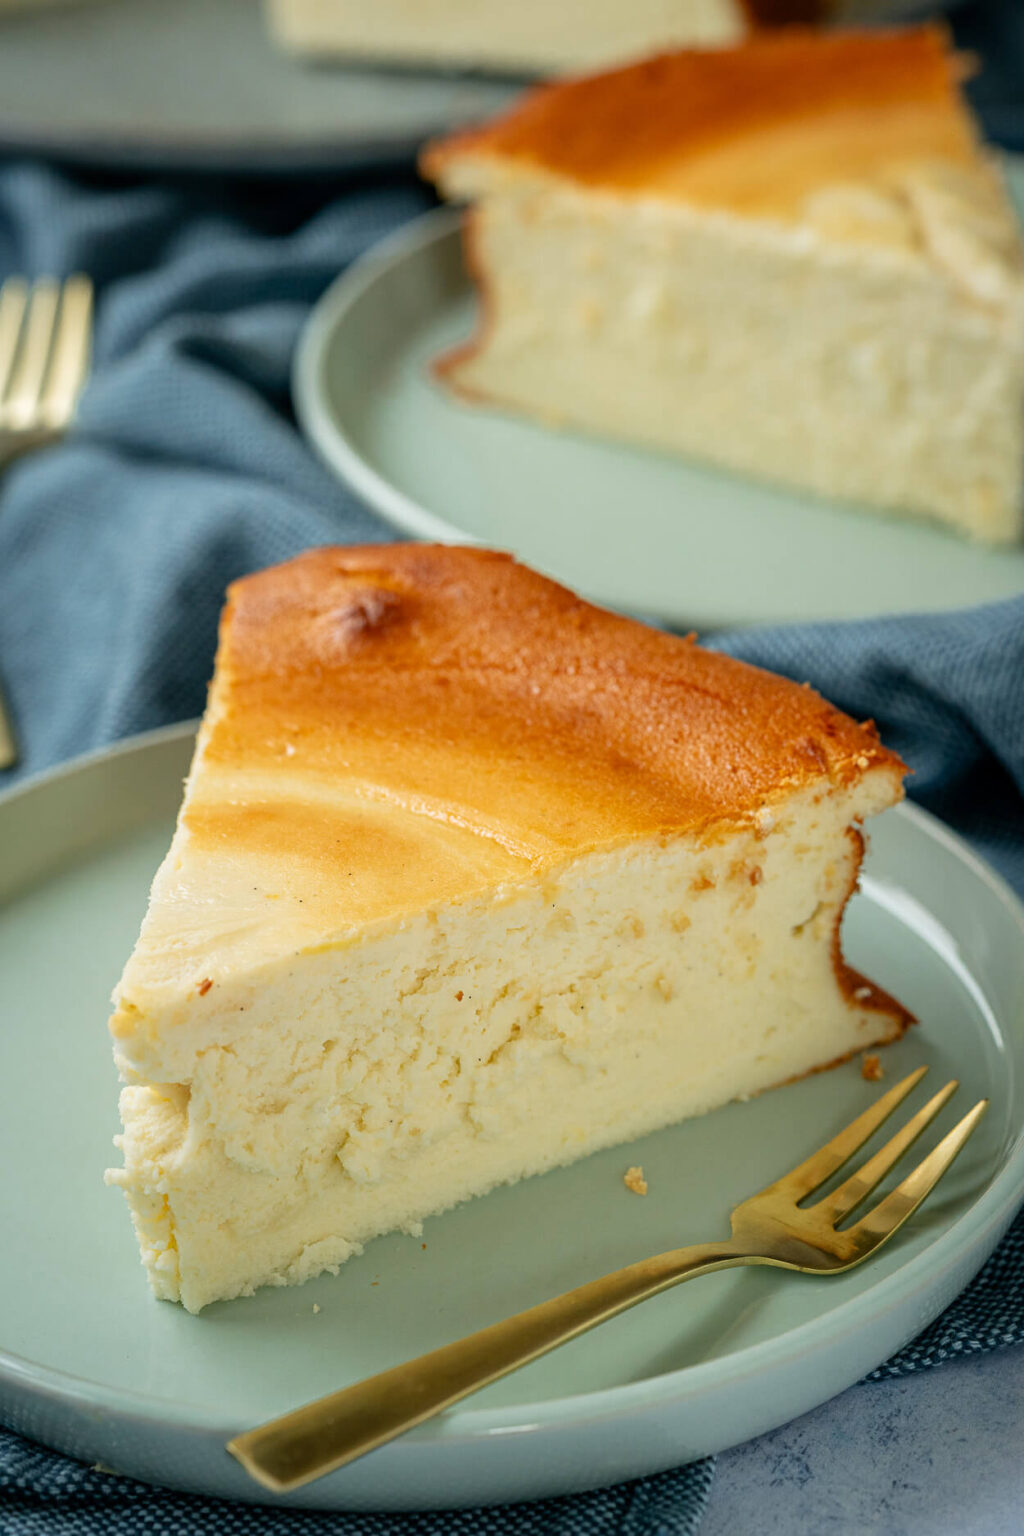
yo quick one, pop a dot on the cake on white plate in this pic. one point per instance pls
(470, 879)
(535, 36)
(793, 258)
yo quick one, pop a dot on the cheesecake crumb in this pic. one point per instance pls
(316, 1306)
(423, 1246)
(634, 1180)
(765, 821)
(459, 996)
(871, 1069)
(204, 986)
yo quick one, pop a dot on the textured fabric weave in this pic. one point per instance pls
(42, 1494)
(948, 694)
(185, 471)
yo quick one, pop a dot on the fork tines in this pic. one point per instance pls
(834, 1207)
(45, 331)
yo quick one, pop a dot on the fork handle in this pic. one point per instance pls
(335, 1430)
(8, 745)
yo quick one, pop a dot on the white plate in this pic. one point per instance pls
(637, 530)
(197, 83)
(91, 1364)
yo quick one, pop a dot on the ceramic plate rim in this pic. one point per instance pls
(320, 153)
(236, 146)
(331, 435)
(989, 1208)
(319, 157)
(328, 436)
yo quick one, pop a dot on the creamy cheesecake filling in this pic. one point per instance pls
(291, 1113)
(470, 879)
(884, 368)
(529, 35)
(792, 258)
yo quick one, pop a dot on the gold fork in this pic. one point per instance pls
(772, 1227)
(45, 332)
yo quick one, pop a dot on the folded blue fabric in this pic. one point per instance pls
(185, 471)
(946, 692)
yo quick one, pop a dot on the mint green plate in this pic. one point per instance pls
(638, 530)
(198, 85)
(91, 1364)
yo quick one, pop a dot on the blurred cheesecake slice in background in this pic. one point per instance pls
(793, 258)
(542, 36)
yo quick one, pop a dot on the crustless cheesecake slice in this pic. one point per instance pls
(470, 879)
(793, 258)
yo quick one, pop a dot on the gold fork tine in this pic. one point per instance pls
(8, 745)
(13, 302)
(859, 1185)
(44, 358)
(890, 1214)
(18, 410)
(770, 1228)
(13, 299)
(69, 362)
(807, 1176)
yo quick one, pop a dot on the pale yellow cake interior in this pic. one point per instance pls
(531, 35)
(288, 1115)
(470, 879)
(793, 259)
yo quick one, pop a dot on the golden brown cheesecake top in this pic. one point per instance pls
(461, 678)
(394, 728)
(755, 128)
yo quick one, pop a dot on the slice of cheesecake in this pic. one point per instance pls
(535, 36)
(470, 879)
(792, 258)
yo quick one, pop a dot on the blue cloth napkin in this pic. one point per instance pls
(185, 471)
